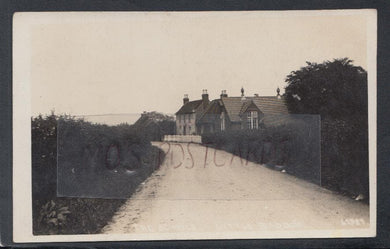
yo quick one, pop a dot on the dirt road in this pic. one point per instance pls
(216, 192)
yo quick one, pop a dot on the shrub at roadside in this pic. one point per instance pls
(294, 147)
(344, 157)
(102, 161)
(336, 90)
(339, 161)
(68, 215)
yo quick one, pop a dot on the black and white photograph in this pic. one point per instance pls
(194, 125)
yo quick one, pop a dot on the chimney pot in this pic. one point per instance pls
(205, 98)
(185, 99)
(223, 93)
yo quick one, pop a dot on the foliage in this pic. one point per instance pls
(155, 125)
(334, 89)
(344, 157)
(337, 90)
(53, 216)
(290, 146)
(44, 155)
(64, 215)
(102, 161)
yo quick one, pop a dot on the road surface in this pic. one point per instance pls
(215, 192)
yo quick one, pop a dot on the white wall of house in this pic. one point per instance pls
(185, 124)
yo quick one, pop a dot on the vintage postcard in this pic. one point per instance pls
(194, 125)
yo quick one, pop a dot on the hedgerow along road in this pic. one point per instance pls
(199, 190)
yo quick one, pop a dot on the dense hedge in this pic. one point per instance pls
(338, 161)
(102, 161)
(344, 156)
(294, 147)
(65, 215)
(336, 90)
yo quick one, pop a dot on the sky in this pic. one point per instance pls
(130, 62)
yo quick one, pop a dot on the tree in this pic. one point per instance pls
(333, 89)
(337, 91)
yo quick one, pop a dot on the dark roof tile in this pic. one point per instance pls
(213, 108)
(189, 107)
(234, 106)
(271, 105)
(267, 105)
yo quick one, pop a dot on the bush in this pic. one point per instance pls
(82, 215)
(295, 145)
(344, 157)
(78, 142)
(339, 161)
(336, 90)
(102, 161)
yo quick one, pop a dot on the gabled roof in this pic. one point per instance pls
(271, 105)
(214, 107)
(246, 105)
(267, 105)
(189, 107)
(233, 107)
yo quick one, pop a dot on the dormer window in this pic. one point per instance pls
(252, 120)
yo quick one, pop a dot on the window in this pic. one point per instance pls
(223, 124)
(252, 120)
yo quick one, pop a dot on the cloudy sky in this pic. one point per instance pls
(100, 63)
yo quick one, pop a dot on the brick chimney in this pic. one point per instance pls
(185, 99)
(205, 98)
(223, 94)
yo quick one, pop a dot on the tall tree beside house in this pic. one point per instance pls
(334, 89)
(337, 90)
